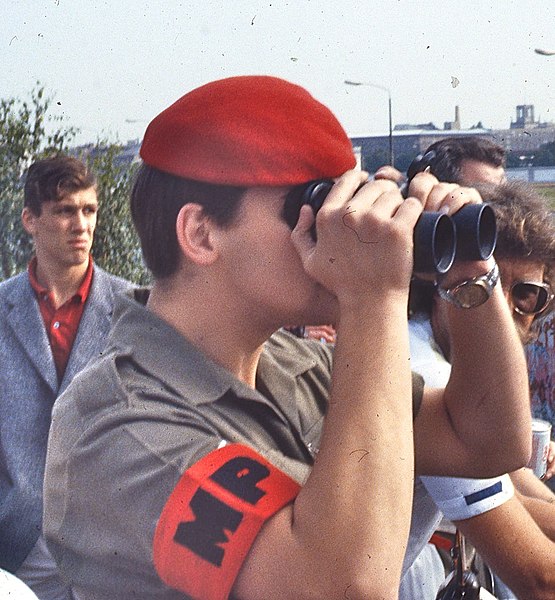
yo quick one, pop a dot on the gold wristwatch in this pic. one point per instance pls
(472, 292)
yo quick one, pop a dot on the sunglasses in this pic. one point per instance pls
(530, 298)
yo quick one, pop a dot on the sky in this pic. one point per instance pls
(111, 66)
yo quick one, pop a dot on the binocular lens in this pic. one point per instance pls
(470, 234)
(434, 243)
(476, 231)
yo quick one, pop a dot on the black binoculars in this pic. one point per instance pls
(470, 234)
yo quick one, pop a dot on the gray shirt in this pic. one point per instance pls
(133, 422)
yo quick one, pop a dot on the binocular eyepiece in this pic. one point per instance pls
(470, 234)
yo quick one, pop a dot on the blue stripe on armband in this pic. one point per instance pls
(496, 488)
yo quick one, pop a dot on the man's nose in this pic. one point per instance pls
(80, 222)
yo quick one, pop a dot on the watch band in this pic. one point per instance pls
(472, 292)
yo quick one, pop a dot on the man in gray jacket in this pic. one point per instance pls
(53, 318)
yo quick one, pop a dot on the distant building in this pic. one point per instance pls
(408, 127)
(524, 135)
(456, 124)
(524, 117)
(408, 140)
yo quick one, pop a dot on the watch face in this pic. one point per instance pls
(471, 294)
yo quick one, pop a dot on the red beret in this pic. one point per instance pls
(248, 131)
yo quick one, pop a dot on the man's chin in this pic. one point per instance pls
(79, 259)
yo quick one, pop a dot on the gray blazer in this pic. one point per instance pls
(28, 388)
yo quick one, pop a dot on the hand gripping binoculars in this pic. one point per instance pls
(470, 234)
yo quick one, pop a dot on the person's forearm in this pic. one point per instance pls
(543, 513)
(487, 395)
(527, 484)
(513, 546)
(347, 530)
(362, 479)
(537, 498)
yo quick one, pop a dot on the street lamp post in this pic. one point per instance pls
(380, 87)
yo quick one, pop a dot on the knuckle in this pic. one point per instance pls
(389, 185)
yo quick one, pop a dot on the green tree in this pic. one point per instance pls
(116, 246)
(29, 131)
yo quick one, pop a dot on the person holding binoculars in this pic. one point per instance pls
(210, 454)
(515, 534)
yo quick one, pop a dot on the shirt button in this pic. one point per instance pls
(56, 325)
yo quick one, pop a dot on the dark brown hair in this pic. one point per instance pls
(445, 156)
(156, 200)
(525, 224)
(525, 231)
(50, 179)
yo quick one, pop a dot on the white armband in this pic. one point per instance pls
(459, 498)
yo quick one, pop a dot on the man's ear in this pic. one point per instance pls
(28, 218)
(195, 234)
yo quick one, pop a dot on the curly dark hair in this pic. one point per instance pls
(525, 230)
(525, 223)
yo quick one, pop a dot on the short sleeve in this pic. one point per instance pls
(213, 516)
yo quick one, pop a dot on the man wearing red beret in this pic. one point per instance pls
(209, 453)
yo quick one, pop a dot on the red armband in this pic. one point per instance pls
(212, 518)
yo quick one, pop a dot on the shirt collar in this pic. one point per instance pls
(82, 292)
(174, 360)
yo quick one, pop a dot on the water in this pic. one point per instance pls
(533, 174)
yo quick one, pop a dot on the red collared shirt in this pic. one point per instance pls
(62, 323)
